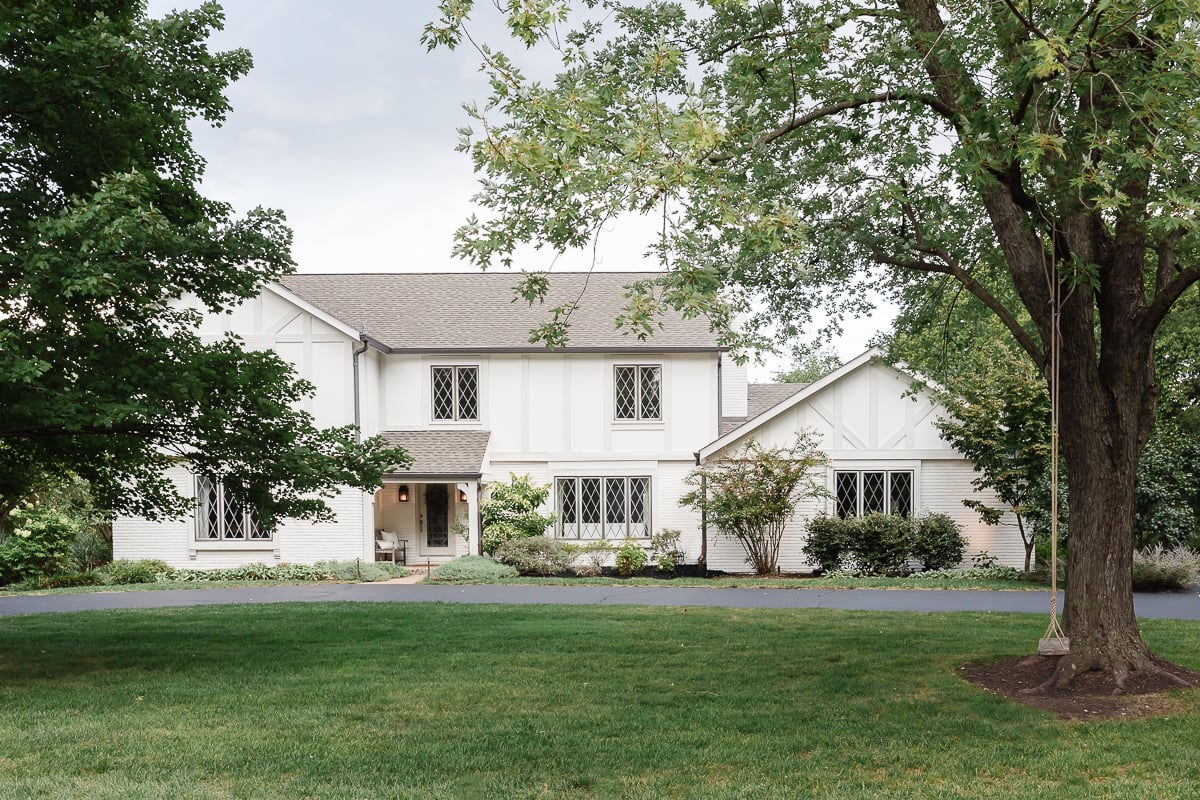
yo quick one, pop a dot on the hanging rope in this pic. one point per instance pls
(1054, 641)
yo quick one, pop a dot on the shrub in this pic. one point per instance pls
(472, 569)
(665, 550)
(591, 558)
(248, 572)
(536, 555)
(62, 580)
(90, 549)
(828, 541)
(992, 573)
(122, 572)
(512, 511)
(881, 543)
(631, 558)
(39, 544)
(1158, 570)
(361, 570)
(938, 542)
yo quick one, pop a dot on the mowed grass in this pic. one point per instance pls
(458, 701)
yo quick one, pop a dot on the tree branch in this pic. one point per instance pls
(950, 266)
(1168, 294)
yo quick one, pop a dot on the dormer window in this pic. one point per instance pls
(455, 393)
(638, 392)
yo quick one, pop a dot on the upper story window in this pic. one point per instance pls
(219, 517)
(638, 392)
(860, 493)
(455, 393)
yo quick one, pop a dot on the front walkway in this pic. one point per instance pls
(1181, 605)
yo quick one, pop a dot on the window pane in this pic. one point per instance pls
(639, 513)
(846, 488)
(568, 511)
(874, 492)
(614, 508)
(901, 493)
(626, 392)
(590, 504)
(468, 393)
(254, 526)
(235, 520)
(208, 509)
(651, 392)
(443, 393)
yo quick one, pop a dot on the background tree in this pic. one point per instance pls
(809, 363)
(751, 494)
(809, 150)
(108, 255)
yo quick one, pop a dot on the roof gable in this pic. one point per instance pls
(473, 312)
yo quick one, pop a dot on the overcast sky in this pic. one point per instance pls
(349, 125)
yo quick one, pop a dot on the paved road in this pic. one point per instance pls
(1182, 605)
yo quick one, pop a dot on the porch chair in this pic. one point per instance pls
(390, 547)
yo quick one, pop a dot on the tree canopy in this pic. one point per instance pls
(108, 254)
(1040, 157)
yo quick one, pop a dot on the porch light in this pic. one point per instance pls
(402, 493)
(462, 495)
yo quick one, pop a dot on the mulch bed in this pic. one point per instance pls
(1091, 695)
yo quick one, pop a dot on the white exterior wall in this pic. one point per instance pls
(871, 420)
(321, 353)
(295, 542)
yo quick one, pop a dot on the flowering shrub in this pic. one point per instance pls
(512, 511)
(631, 558)
(1156, 569)
(39, 544)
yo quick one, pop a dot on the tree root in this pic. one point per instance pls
(1072, 665)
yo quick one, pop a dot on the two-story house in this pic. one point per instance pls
(442, 365)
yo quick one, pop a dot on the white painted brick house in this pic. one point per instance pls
(442, 365)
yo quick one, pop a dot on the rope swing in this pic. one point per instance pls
(1054, 642)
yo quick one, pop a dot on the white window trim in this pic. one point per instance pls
(262, 542)
(457, 420)
(647, 506)
(911, 467)
(639, 423)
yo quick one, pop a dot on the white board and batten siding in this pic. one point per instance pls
(869, 417)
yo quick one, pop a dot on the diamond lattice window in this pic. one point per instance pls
(455, 393)
(859, 493)
(637, 392)
(603, 508)
(219, 517)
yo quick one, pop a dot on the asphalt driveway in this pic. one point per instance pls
(1179, 605)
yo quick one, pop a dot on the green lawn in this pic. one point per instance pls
(455, 701)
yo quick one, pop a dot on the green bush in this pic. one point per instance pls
(536, 555)
(90, 549)
(665, 550)
(248, 572)
(61, 580)
(38, 544)
(472, 569)
(122, 572)
(631, 558)
(367, 571)
(512, 510)
(881, 544)
(992, 573)
(1156, 569)
(828, 542)
(938, 542)
(591, 558)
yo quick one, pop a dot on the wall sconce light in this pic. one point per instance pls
(402, 493)
(462, 495)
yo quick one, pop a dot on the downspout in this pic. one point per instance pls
(702, 561)
(720, 398)
(362, 337)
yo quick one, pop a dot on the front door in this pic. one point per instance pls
(435, 538)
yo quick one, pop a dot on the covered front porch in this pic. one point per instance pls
(429, 514)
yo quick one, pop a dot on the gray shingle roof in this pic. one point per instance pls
(448, 453)
(760, 397)
(474, 311)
